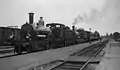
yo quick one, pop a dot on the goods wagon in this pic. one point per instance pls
(12, 34)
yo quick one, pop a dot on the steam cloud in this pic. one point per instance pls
(93, 10)
(78, 19)
(108, 17)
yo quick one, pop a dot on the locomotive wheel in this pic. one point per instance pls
(47, 47)
(18, 49)
(50, 45)
(32, 48)
(29, 48)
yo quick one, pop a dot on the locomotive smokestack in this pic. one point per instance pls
(31, 18)
(73, 28)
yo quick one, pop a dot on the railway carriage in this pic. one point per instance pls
(3, 34)
(7, 35)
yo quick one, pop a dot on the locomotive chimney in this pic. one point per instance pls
(73, 28)
(31, 18)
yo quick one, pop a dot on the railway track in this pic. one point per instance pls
(67, 64)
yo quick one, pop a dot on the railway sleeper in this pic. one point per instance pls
(76, 65)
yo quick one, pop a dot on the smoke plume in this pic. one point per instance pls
(93, 10)
(107, 17)
(78, 19)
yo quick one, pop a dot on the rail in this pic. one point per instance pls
(81, 54)
(53, 65)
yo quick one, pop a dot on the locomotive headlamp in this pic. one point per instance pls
(27, 36)
(12, 35)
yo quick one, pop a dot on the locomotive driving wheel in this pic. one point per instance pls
(29, 48)
(33, 47)
(18, 49)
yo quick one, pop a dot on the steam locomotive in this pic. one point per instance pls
(32, 38)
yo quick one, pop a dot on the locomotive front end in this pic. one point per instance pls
(32, 38)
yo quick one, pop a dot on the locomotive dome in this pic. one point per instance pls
(41, 28)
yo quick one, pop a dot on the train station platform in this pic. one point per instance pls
(111, 59)
(24, 62)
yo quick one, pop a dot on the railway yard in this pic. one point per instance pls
(60, 35)
(56, 47)
(84, 56)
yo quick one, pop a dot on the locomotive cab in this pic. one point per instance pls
(57, 30)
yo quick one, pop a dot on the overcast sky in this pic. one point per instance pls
(101, 15)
